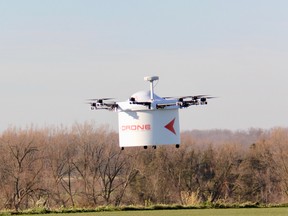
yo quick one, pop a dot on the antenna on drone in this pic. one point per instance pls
(151, 79)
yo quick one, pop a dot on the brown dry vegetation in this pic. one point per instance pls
(83, 166)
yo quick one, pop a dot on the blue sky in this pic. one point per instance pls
(55, 54)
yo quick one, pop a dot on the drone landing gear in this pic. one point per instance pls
(177, 145)
(145, 147)
(154, 147)
(122, 148)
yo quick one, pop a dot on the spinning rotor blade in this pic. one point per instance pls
(109, 103)
(99, 99)
(195, 97)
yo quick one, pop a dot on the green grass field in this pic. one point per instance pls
(188, 212)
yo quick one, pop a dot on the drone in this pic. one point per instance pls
(146, 119)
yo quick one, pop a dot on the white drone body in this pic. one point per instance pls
(146, 119)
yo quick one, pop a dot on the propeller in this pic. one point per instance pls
(196, 97)
(99, 99)
(187, 101)
(100, 104)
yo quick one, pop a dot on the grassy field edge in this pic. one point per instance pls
(43, 210)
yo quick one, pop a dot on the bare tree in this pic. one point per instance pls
(21, 166)
(278, 142)
(90, 145)
(60, 153)
(110, 170)
(259, 174)
(84, 166)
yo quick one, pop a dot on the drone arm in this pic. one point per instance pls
(101, 104)
(193, 100)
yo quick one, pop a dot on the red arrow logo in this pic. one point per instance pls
(170, 126)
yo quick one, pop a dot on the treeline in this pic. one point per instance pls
(83, 166)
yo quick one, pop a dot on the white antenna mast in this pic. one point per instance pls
(151, 79)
